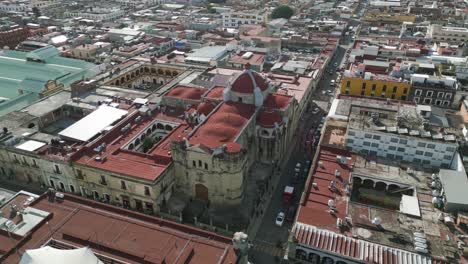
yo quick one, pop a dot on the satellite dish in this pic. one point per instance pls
(376, 221)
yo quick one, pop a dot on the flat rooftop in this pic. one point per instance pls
(248, 57)
(79, 222)
(315, 209)
(316, 225)
(290, 85)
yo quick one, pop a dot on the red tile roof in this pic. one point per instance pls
(224, 125)
(244, 83)
(314, 210)
(268, 118)
(215, 93)
(206, 107)
(146, 166)
(277, 101)
(121, 234)
(186, 92)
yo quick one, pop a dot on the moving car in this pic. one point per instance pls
(280, 219)
(315, 111)
(332, 82)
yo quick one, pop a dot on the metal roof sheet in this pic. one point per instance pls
(90, 125)
(361, 250)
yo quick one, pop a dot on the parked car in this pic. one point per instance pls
(296, 178)
(332, 82)
(315, 111)
(291, 213)
(335, 64)
(280, 219)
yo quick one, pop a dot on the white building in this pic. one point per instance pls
(235, 19)
(395, 131)
(14, 6)
(43, 5)
(98, 14)
(139, 2)
(447, 34)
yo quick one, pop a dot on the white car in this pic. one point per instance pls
(315, 111)
(280, 219)
(332, 82)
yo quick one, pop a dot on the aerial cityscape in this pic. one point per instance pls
(233, 131)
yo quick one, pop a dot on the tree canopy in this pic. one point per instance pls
(282, 11)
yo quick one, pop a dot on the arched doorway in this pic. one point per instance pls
(201, 192)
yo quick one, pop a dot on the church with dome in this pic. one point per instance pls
(234, 126)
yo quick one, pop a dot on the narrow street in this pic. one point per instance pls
(270, 239)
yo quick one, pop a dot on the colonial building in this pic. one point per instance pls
(117, 146)
(248, 122)
(435, 91)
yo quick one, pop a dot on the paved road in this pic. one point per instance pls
(271, 238)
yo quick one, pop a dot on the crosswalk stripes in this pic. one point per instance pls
(268, 249)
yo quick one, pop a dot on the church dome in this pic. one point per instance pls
(247, 81)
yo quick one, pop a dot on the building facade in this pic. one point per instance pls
(98, 14)
(11, 37)
(433, 91)
(235, 19)
(375, 87)
(440, 33)
(399, 133)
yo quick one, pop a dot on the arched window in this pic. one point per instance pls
(153, 71)
(153, 127)
(168, 73)
(160, 71)
(160, 126)
(168, 128)
(174, 73)
(131, 147)
(147, 69)
(137, 142)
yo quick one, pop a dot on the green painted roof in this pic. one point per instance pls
(31, 85)
(16, 72)
(43, 54)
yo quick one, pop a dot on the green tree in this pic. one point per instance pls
(36, 12)
(148, 143)
(282, 11)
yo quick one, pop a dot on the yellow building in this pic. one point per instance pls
(376, 86)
